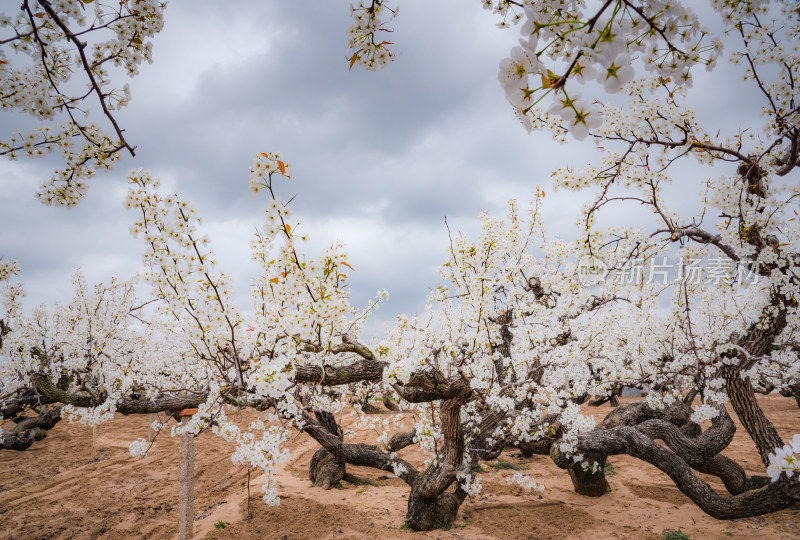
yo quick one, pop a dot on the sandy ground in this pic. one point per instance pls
(55, 490)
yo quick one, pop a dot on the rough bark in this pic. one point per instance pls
(356, 371)
(388, 403)
(431, 385)
(23, 401)
(732, 474)
(426, 513)
(504, 347)
(757, 342)
(588, 477)
(530, 448)
(359, 454)
(693, 450)
(479, 447)
(59, 395)
(46, 421)
(631, 414)
(701, 452)
(792, 391)
(165, 402)
(631, 441)
(401, 440)
(29, 429)
(429, 506)
(743, 400)
(162, 403)
(690, 395)
(326, 470)
(20, 441)
(369, 408)
(605, 399)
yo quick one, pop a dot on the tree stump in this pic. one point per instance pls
(325, 469)
(590, 481)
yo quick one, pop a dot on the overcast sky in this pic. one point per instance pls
(378, 158)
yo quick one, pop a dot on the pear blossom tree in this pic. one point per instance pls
(727, 333)
(475, 386)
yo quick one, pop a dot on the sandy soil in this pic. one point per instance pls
(55, 490)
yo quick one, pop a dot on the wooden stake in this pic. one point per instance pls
(249, 514)
(186, 478)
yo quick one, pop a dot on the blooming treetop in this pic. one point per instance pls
(45, 49)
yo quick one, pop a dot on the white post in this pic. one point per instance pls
(186, 478)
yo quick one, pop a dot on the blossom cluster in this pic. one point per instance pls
(785, 460)
(597, 43)
(524, 481)
(364, 37)
(8, 269)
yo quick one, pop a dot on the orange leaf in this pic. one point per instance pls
(353, 59)
(136, 40)
(288, 228)
(265, 155)
(549, 80)
(40, 14)
(282, 167)
(347, 265)
(274, 280)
